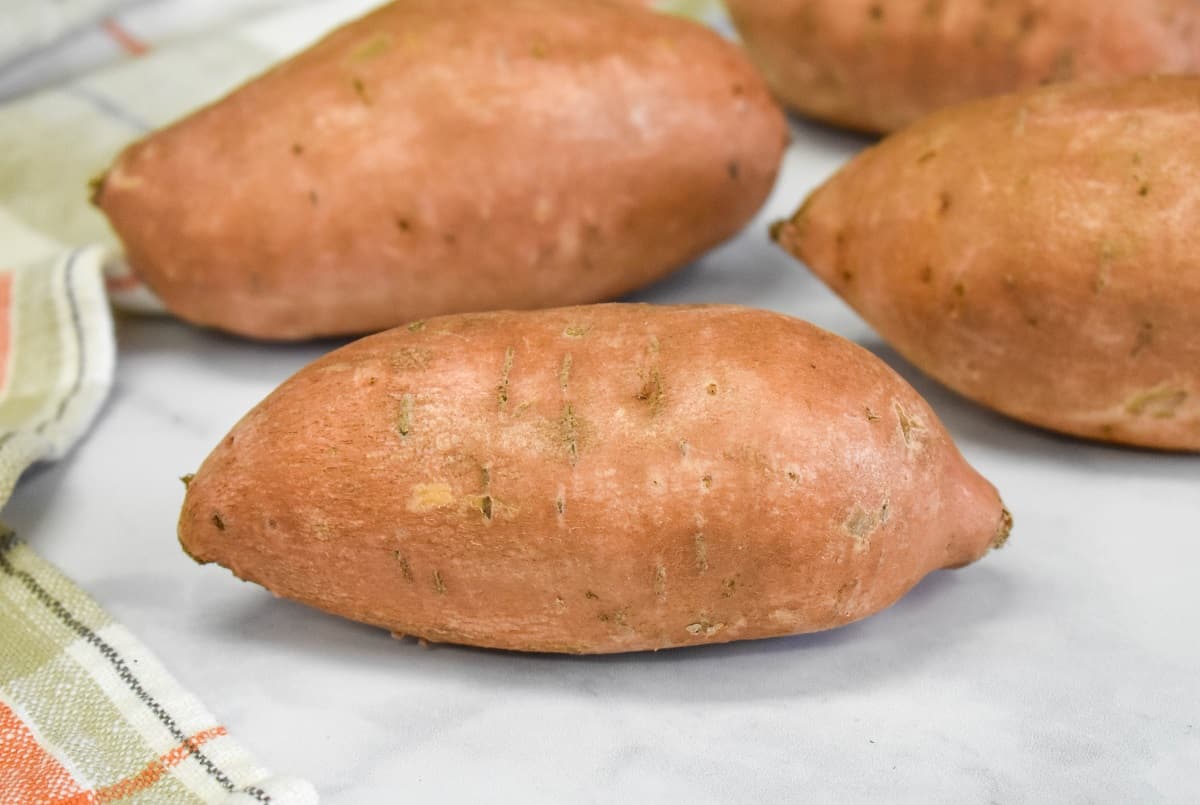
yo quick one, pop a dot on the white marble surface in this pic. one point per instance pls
(1065, 668)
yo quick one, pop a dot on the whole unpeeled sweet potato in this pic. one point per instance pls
(593, 479)
(1039, 253)
(880, 64)
(444, 156)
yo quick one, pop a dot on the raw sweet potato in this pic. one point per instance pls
(1039, 253)
(444, 156)
(593, 479)
(880, 64)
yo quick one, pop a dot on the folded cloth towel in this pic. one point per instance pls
(86, 712)
(88, 715)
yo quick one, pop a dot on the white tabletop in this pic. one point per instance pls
(1064, 668)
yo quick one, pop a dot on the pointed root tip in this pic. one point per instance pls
(1003, 529)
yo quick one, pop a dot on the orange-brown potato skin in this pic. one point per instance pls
(593, 479)
(1038, 253)
(444, 156)
(877, 65)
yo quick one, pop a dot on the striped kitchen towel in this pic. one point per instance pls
(87, 715)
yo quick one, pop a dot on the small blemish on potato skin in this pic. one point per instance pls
(218, 521)
(405, 568)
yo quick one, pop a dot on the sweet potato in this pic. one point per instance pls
(1038, 253)
(444, 156)
(876, 66)
(593, 479)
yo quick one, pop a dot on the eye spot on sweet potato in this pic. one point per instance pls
(859, 523)
(926, 157)
(569, 429)
(711, 388)
(485, 507)
(700, 549)
(944, 202)
(1144, 189)
(728, 587)
(1143, 339)
(564, 372)
(910, 426)
(960, 290)
(653, 392)
(313, 198)
(502, 386)
(297, 149)
(405, 568)
(403, 224)
(704, 626)
(1159, 403)
(616, 618)
(875, 13)
(706, 482)
(738, 90)
(360, 89)
(927, 275)
(576, 331)
(218, 521)
(538, 50)
(591, 596)
(404, 418)
(733, 169)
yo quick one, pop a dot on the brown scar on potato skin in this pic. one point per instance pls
(405, 568)
(653, 392)
(502, 386)
(404, 418)
(564, 372)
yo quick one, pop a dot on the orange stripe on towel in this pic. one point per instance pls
(156, 769)
(31, 774)
(128, 42)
